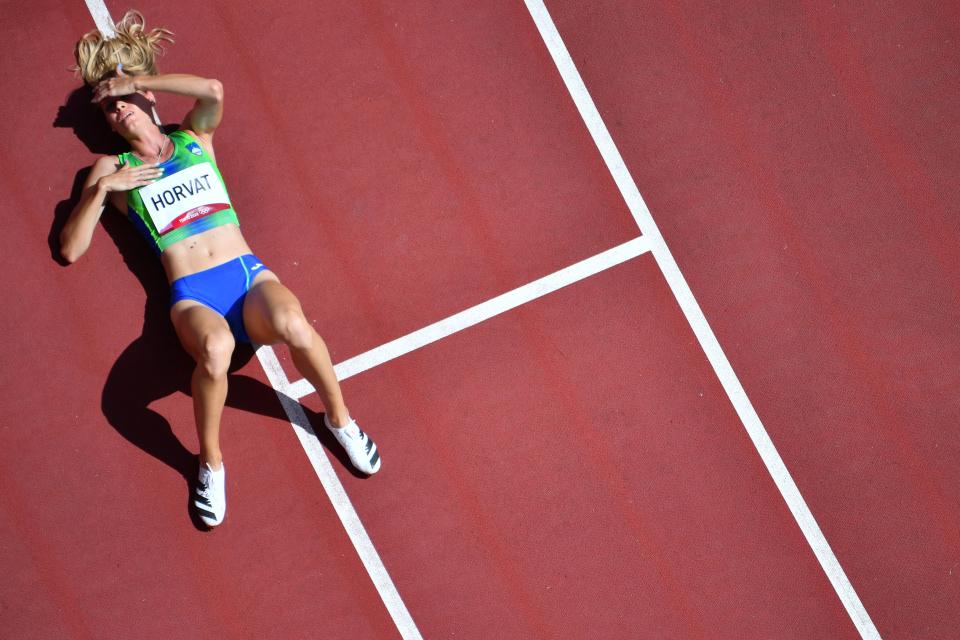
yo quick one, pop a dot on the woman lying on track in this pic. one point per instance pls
(171, 190)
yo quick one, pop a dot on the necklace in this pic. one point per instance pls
(163, 147)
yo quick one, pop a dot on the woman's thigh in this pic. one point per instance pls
(195, 324)
(269, 306)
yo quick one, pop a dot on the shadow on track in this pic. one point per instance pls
(154, 365)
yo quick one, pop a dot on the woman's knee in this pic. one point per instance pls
(292, 326)
(216, 350)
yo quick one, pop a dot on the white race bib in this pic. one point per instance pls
(183, 197)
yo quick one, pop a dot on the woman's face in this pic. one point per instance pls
(126, 114)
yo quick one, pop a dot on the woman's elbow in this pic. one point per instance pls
(216, 90)
(69, 256)
(70, 250)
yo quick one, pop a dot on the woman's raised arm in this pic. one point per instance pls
(203, 118)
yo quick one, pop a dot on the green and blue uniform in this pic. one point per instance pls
(190, 177)
(188, 199)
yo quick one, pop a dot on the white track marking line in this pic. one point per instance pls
(101, 18)
(483, 311)
(698, 322)
(315, 452)
(338, 496)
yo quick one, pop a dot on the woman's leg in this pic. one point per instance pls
(206, 336)
(272, 314)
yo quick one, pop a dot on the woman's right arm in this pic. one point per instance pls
(105, 177)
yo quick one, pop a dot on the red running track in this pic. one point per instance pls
(572, 468)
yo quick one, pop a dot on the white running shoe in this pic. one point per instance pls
(210, 497)
(358, 445)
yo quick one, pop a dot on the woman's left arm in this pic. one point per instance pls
(206, 114)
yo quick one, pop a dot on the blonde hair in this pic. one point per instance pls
(133, 46)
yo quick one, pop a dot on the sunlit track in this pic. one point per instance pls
(453, 193)
(289, 392)
(698, 322)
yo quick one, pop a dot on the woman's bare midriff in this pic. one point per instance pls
(203, 251)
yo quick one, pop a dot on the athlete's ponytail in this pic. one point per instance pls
(133, 46)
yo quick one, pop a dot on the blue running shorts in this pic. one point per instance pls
(223, 288)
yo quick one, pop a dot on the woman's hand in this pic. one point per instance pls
(130, 177)
(119, 85)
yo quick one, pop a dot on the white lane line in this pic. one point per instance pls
(314, 450)
(101, 17)
(698, 322)
(338, 496)
(483, 311)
